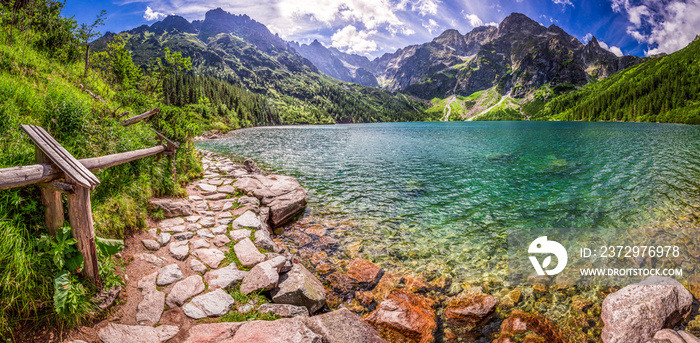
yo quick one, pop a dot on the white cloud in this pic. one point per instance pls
(667, 26)
(563, 2)
(587, 38)
(474, 20)
(152, 15)
(615, 50)
(492, 23)
(431, 26)
(371, 13)
(350, 40)
(422, 7)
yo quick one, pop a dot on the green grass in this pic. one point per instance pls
(241, 299)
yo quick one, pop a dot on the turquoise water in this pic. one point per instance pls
(438, 197)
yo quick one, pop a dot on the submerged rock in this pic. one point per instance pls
(404, 317)
(470, 309)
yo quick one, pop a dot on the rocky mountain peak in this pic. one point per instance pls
(593, 43)
(174, 22)
(518, 23)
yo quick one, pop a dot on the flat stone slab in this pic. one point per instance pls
(171, 222)
(207, 222)
(175, 229)
(227, 189)
(210, 257)
(150, 244)
(173, 207)
(183, 236)
(217, 196)
(227, 206)
(212, 304)
(168, 275)
(247, 219)
(119, 333)
(237, 235)
(183, 290)
(248, 253)
(151, 307)
(205, 233)
(150, 258)
(199, 244)
(192, 219)
(207, 188)
(224, 277)
(218, 230)
(179, 250)
(197, 266)
(217, 332)
(221, 240)
(164, 238)
(287, 330)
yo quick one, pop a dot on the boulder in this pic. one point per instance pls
(342, 326)
(173, 208)
(212, 304)
(364, 272)
(636, 312)
(119, 333)
(168, 275)
(247, 219)
(151, 244)
(183, 290)
(224, 277)
(282, 194)
(469, 309)
(179, 250)
(299, 287)
(217, 332)
(284, 310)
(248, 253)
(404, 317)
(287, 330)
(263, 277)
(251, 167)
(210, 257)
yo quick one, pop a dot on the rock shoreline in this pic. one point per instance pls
(220, 242)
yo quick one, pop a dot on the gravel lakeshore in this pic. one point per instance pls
(234, 262)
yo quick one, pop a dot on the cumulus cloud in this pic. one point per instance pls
(474, 20)
(587, 38)
(431, 26)
(350, 40)
(667, 26)
(371, 13)
(152, 15)
(615, 50)
(422, 7)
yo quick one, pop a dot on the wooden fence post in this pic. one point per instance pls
(52, 199)
(80, 217)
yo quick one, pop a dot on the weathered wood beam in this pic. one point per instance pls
(52, 199)
(80, 217)
(44, 172)
(140, 117)
(58, 186)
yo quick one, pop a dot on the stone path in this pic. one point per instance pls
(218, 240)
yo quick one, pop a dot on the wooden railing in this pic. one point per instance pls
(57, 171)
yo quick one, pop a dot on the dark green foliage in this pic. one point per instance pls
(664, 89)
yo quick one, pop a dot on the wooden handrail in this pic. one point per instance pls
(140, 117)
(44, 172)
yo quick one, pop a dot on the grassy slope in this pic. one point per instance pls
(34, 89)
(665, 89)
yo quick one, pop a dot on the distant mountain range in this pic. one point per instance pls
(509, 71)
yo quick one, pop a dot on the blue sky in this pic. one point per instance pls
(373, 27)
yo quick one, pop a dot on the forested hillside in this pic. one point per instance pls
(664, 89)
